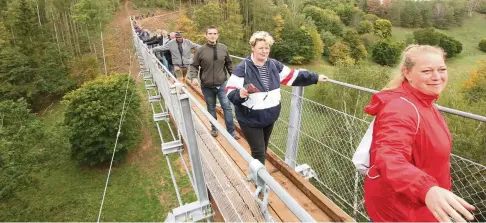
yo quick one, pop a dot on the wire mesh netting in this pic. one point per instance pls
(231, 193)
(228, 188)
(327, 141)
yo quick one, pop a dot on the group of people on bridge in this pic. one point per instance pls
(409, 177)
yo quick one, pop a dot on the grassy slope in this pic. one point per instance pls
(140, 189)
(459, 67)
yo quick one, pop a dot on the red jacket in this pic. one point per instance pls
(409, 161)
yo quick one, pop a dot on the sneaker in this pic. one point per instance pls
(214, 132)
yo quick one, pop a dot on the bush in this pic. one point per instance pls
(365, 27)
(325, 19)
(451, 46)
(371, 17)
(475, 87)
(297, 46)
(481, 7)
(369, 40)
(387, 52)
(427, 36)
(339, 52)
(383, 28)
(356, 47)
(328, 39)
(92, 118)
(482, 45)
(431, 37)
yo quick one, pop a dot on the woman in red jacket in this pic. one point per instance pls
(409, 178)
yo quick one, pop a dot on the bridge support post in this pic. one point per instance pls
(294, 126)
(191, 142)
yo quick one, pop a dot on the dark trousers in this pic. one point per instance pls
(258, 140)
(210, 95)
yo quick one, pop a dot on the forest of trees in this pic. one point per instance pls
(47, 49)
(307, 29)
(52, 50)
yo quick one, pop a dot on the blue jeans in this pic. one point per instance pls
(210, 95)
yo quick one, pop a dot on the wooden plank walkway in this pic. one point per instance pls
(311, 199)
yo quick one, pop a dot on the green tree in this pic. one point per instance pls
(17, 75)
(356, 48)
(318, 44)
(296, 47)
(208, 14)
(23, 138)
(346, 13)
(92, 117)
(91, 13)
(431, 37)
(371, 17)
(365, 27)
(339, 53)
(382, 28)
(232, 31)
(410, 15)
(325, 19)
(427, 36)
(328, 39)
(369, 40)
(450, 45)
(482, 44)
(22, 22)
(387, 52)
(263, 12)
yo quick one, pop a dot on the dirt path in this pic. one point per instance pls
(121, 58)
(119, 49)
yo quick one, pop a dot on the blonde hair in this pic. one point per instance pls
(158, 32)
(408, 62)
(261, 36)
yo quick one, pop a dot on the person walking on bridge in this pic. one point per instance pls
(160, 38)
(144, 35)
(409, 178)
(254, 89)
(213, 63)
(180, 50)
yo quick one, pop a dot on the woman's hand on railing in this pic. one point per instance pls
(445, 205)
(323, 78)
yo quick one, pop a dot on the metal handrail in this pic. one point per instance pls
(439, 107)
(264, 175)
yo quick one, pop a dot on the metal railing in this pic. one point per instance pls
(178, 105)
(319, 141)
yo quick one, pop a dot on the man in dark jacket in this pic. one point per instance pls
(213, 62)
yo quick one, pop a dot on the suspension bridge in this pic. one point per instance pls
(309, 175)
